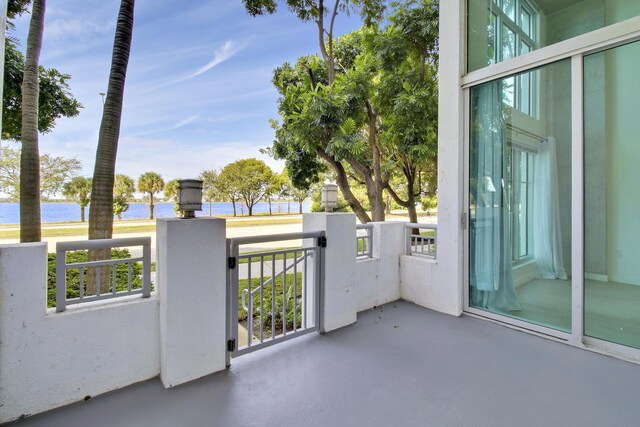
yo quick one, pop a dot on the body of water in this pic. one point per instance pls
(61, 212)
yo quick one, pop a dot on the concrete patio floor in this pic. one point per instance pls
(399, 365)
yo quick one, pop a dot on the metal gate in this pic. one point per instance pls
(272, 295)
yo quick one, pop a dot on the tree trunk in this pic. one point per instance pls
(119, 215)
(343, 184)
(101, 213)
(150, 205)
(210, 214)
(250, 209)
(387, 206)
(30, 157)
(81, 213)
(300, 210)
(270, 206)
(289, 204)
(233, 202)
(376, 198)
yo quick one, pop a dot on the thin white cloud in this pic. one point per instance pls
(221, 54)
(181, 123)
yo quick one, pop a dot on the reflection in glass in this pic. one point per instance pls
(612, 198)
(519, 235)
(536, 23)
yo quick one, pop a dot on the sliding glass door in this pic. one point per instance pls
(612, 195)
(520, 197)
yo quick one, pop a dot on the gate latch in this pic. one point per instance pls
(231, 344)
(232, 262)
(322, 241)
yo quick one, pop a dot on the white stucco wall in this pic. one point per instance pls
(192, 287)
(377, 278)
(422, 284)
(50, 359)
(339, 295)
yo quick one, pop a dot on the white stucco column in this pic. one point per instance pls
(448, 273)
(191, 277)
(339, 266)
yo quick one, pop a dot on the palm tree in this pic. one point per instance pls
(101, 213)
(123, 190)
(171, 190)
(150, 182)
(79, 189)
(30, 158)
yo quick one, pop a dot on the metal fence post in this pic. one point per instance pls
(146, 270)
(61, 281)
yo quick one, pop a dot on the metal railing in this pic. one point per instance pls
(364, 241)
(100, 267)
(419, 242)
(272, 295)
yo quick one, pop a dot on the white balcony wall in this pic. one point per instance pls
(50, 359)
(377, 278)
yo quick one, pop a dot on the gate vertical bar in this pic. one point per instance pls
(273, 296)
(295, 291)
(249, 304)
(262, 298)
(284, 294)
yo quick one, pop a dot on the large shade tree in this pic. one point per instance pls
(101, 212)
(321, 107)
(55, 171)
(249, 179)
(150, 183)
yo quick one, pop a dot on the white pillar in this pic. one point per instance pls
(191, 277)
(449, 271)
(339, 267)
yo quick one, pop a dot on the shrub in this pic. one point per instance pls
(267, 307)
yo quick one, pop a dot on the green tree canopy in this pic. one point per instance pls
(123, 190)
(56, 170)
(79, 189)
(248, 179)
(150, 183)
(211, 191)
(375, 118)
(55, 97)
(171, 190)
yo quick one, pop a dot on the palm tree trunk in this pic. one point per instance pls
(81, 213)
(101, 212)
(150, 205)
(30, 157)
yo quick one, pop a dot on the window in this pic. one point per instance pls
(521, 204)
(513, 24)
(502, 29)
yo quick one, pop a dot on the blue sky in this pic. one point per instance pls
(198, 92)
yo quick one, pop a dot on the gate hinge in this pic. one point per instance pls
(463, 220)
(322, 241)
(232, 262)
(231, 345)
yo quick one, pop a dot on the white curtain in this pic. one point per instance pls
(491, 275)
(547, 236)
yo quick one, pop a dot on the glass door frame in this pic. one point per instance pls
(576, 49)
